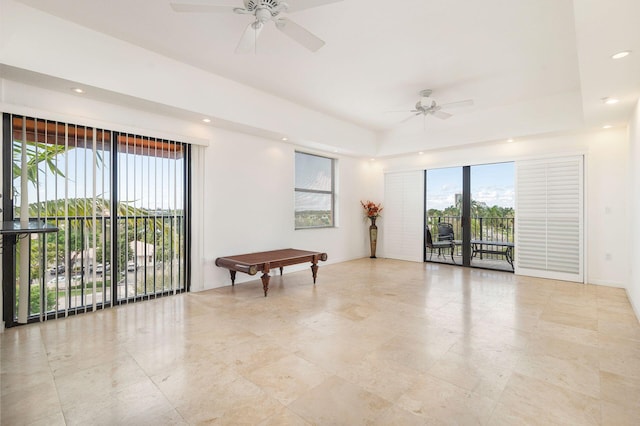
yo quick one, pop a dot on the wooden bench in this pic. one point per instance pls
(253, 263)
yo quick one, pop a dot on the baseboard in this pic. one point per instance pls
(605, 283)
(636, 308)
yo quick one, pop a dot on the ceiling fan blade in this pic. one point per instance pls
(202, 8)
(441, 114)
(297, 5)
(409, 118)
(467, 102)
(247, 43)
(299, 34)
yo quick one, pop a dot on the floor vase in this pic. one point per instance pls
(373, 237)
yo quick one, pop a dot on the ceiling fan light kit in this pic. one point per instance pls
(263, 12)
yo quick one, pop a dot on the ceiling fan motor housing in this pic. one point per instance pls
(274, 7)
(427, 102)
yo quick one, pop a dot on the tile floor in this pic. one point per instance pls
(374, 342)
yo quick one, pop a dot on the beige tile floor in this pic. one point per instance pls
(374, 342)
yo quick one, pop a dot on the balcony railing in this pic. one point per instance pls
(482, 228)
(74, 270)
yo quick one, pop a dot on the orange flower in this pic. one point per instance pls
(371, 209)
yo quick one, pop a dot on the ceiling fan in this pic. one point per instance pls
(428, 106)
(263, 11)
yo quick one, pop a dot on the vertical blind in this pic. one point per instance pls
(549, 218)
(119, 203)
(403, 215)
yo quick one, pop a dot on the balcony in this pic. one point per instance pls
(496, 229)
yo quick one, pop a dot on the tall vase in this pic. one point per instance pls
(373, 236)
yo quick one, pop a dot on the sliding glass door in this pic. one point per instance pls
(469, 217)
(120, 202)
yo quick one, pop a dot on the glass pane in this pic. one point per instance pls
(313, 210)
(313, 172)
(444, 218)
(150, 216)
(492, 215)
(67, 169)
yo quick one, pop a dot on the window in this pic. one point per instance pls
(314, 191)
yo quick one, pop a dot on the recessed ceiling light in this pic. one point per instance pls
(509, 140)
(206, 120)
(285, 139)
(621, 55)
(607, 126)
(77, 90)
(421, 153)
(373, 159)
(335, 150)
(610, 101)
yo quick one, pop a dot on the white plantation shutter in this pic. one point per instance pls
(403, 214)
(549, 218)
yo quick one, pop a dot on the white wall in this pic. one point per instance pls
(607, 198)
(249, 204)
(633, 288)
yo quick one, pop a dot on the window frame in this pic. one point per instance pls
(331, 192)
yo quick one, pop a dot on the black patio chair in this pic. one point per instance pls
(445, 232)
(440, 245)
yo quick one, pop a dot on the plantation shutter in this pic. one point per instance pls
(549, 218)
(403, 215)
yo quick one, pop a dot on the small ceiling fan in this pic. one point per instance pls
(263, 11)
(428, 106)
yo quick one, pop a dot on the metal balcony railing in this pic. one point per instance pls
(82, 267)
(482, 228)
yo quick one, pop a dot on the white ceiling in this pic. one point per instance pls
(531, 66)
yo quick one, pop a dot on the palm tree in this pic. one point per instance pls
(37, 154)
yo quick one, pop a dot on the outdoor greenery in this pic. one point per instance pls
(495, 222)
(478, 209)
(313, 218)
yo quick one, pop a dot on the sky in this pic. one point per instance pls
(492, 184)
(313, 172)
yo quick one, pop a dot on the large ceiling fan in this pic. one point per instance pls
(428, 106)
(263, 11)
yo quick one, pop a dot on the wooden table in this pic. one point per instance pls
(266, 260)
(502, 248)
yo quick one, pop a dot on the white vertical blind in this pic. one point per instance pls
(549, 218)
(403, 215)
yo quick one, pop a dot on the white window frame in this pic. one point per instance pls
(331, 192)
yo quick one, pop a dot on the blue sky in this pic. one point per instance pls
(492, 184)
(145, 181)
